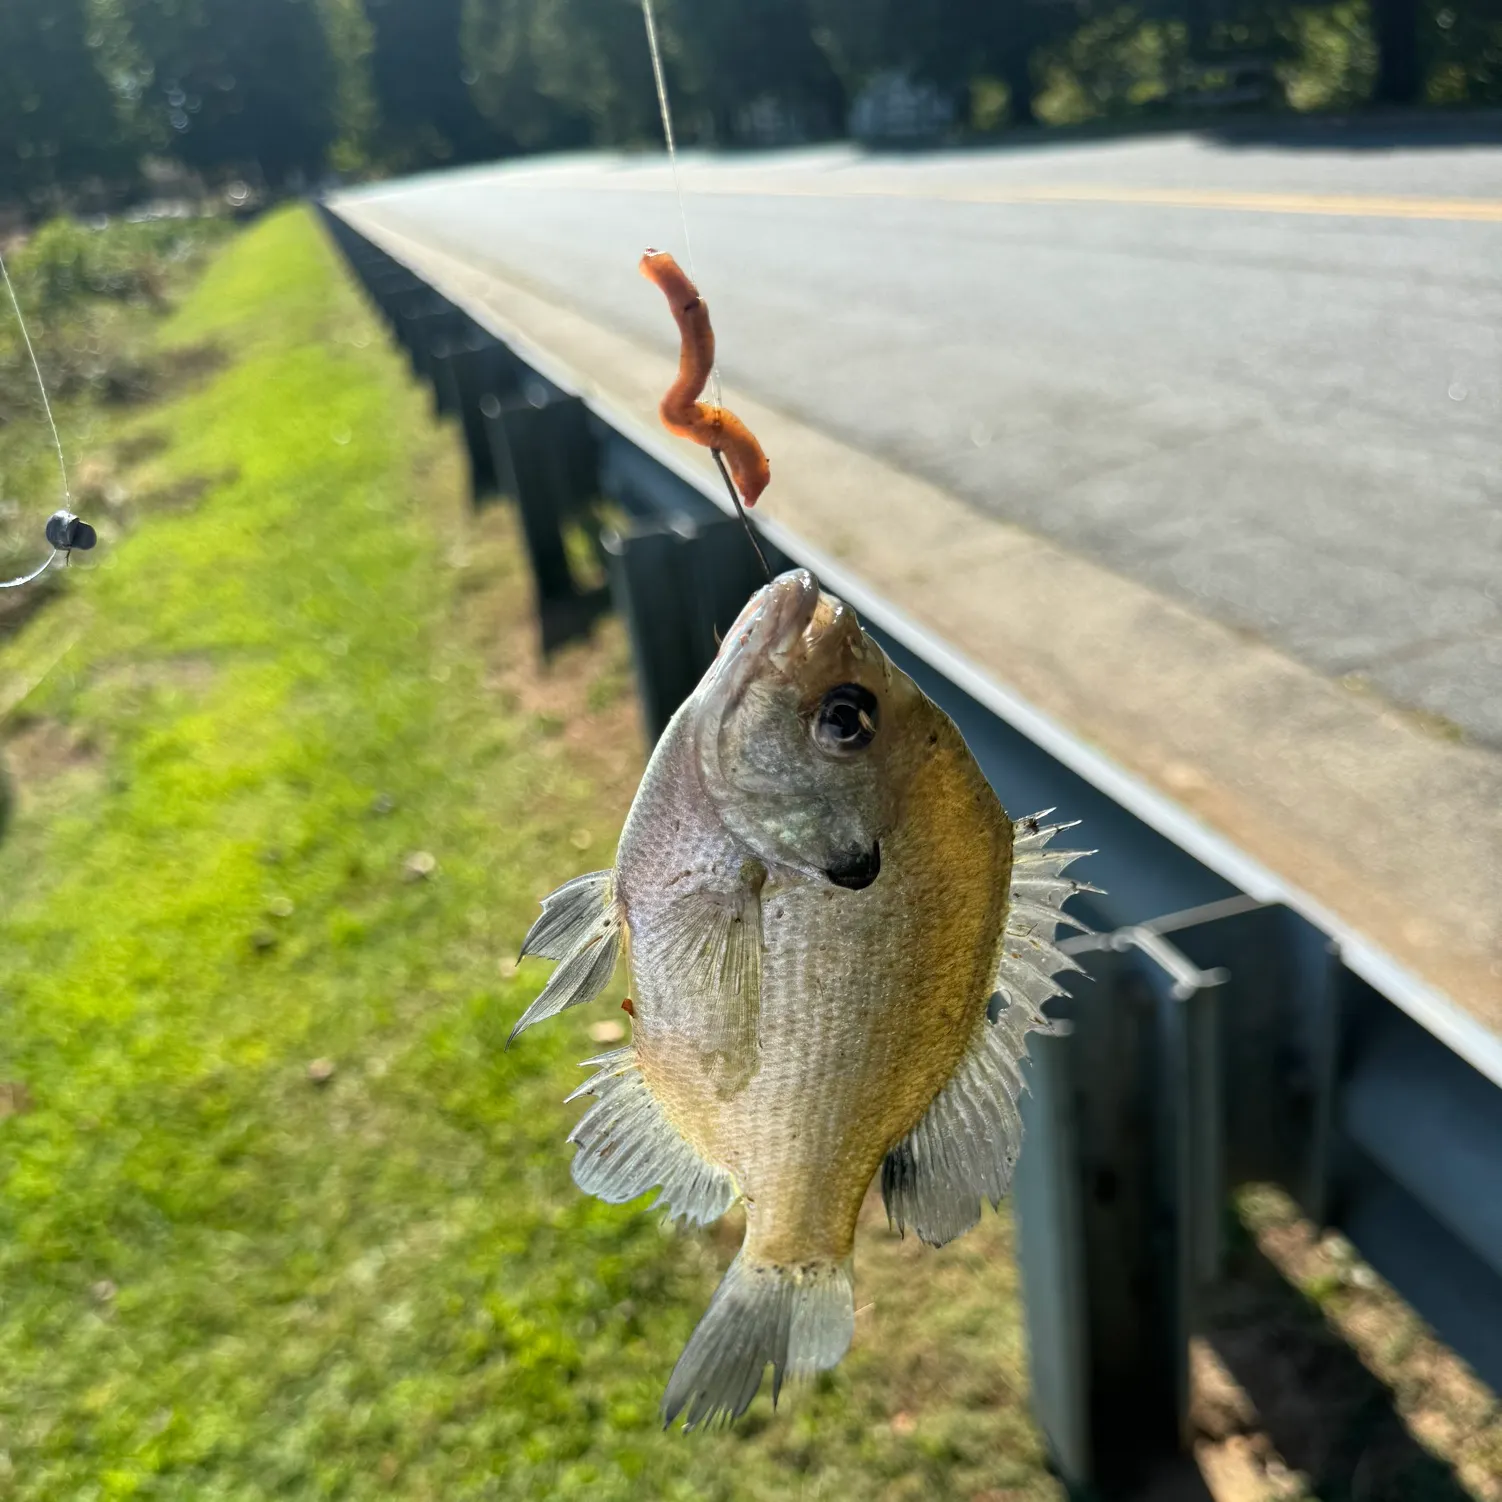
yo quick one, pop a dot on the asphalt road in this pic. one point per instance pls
(1265, 378)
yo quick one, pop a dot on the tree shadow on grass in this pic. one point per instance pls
(1323, 1412)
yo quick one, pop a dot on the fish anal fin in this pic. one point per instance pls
(798, 1320)
(627, 1146)
(965, 1146)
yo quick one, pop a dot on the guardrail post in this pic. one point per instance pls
(422, 320)
(643, 584)
(1280, 1013)
(680, 588)
(501, 467)
(441, 374)
(1110, 1336)
(480, 368)
(549, 458)
(387, 282)
(1048, 1198)
(1198, 1055)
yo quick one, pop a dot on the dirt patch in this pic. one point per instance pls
(137, 448)
(186, 671)
(41, 749)
(96, 485)
(129, 379)
(188, 365)
(1315, 1377)
(100, 491)
(45, 760)
(185, 492)
(15, 1099)
(579, 700)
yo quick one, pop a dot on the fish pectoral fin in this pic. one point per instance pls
(567, 915)
(580, 927)
(798, 1319)
(627, 1146)
(712, 957)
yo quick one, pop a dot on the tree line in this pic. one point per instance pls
(94, 92)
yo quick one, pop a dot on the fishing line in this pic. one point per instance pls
(665, 110)
(36, 573)
(740, 511)
(57, 443)
(64, 530)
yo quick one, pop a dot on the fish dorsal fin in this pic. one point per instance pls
(627, 1146)
(580, 927)
(1029, 958)
(966, 1145)
(711, 948)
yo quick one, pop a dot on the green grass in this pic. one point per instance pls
(91, 297)
(219, 1279)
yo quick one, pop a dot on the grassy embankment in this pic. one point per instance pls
(302, 668)
(92, 299)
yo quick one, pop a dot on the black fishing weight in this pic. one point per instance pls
(65, 533)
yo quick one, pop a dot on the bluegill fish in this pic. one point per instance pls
(838, 943)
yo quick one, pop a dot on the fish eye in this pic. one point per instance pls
(847, 720)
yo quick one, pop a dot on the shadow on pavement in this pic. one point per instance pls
(1384, 132)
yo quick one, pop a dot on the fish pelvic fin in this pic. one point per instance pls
(627, 1146)
(966, 1145)
(798, 1319)
(580, 927)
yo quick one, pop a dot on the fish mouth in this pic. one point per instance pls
(790, 634)
(787, 628)
(792, 611)
(768, 631)
(778, 614)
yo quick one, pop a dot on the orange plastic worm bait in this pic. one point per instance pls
(683, 414)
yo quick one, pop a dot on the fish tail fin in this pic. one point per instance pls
(800, 1319)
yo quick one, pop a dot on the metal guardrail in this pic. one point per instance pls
(1225, 1036)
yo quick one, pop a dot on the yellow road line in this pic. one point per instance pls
(1337, 205)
